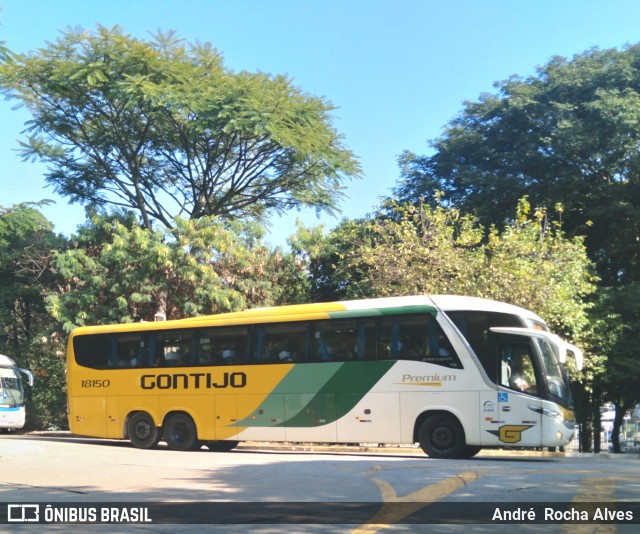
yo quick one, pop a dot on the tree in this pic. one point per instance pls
(27, 332)
(570, 134)
(165, 129)
(118, 272)
(619, 381)
(26, 240)
(424, 249)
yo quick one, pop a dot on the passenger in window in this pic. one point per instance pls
(343, 352)
(517, 380)
(128, 359)
(522, 374)
(206, 357)
(229, 355)
(172, 358)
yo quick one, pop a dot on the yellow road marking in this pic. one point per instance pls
(390, 514)
(598, 490)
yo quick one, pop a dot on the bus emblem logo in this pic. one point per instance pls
(510, 433)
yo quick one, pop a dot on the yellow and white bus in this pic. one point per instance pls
(454, 374)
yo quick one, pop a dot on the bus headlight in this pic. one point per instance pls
(561, 415)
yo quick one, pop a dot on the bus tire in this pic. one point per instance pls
(142, 431)
(221, 446)
(441, 436)
(180, 433)
(470, 451)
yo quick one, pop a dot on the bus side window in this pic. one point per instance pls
(174, 349)
(415, 337)
(516, 367)
(92, 350)
(130, 350)
(389, 338)
(336, 341)
(281, 342)
(224, 345)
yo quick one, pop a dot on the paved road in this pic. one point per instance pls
(65, 470)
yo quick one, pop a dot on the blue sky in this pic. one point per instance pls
(397, 70)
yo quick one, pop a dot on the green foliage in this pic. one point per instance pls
(119, 272)
(26, 239)
(437, 250)
(165, 129)
(570, 134)
(27, 332)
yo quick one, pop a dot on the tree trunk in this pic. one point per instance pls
(161, 306)
(618, 420)
(597, 427)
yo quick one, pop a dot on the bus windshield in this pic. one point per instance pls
(557, 381)
(11, 392)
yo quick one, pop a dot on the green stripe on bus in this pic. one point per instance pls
(340, 394)
(338, 388)
(377, 312)
(302, 379)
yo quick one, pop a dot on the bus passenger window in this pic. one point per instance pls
(281, 343)
(416, 337)
(92, 350)
(130, 351)
(173, 349)
(335, 341)
(224, 345)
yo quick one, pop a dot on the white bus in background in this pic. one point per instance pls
(12, 410)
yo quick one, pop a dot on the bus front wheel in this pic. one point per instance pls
(142, 431)
(180, 433)
(442, 436)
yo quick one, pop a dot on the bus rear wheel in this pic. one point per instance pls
(180, 433)
(442, 436)
(142, 431)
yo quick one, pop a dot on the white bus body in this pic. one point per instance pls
(12, 410)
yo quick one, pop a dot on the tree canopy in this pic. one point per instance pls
(162, 127)
(116, 272)
(439, 250)
(570, 134)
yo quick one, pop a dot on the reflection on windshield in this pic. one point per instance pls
(11, 393)
(553, 372)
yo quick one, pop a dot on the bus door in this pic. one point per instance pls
(511, 414)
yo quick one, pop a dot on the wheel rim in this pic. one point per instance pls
(442, 437)
(142, 430)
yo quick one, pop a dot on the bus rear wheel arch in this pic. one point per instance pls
(180, 432)
(142, 430)
(441, 435)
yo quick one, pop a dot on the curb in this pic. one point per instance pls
(381, 449)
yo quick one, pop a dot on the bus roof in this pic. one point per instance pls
(456, 303)
(6, 361)
(325, 310)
